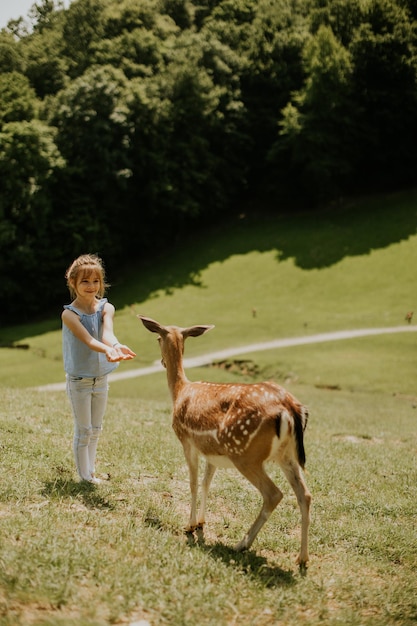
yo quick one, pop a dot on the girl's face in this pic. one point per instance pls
(88, 283)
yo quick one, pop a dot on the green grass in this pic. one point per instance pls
(77, 555)
(385, 364)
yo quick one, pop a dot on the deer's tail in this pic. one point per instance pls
(300, 415)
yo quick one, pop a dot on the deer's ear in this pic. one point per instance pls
(196, 331)
(152, 325)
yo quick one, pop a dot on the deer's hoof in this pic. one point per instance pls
(190, 528)
(302, 564)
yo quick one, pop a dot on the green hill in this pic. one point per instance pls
(256, 278)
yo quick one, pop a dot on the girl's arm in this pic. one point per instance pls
(110, 338)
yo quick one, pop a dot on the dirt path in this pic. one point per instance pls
(206, 359)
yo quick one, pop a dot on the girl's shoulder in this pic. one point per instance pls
(106, 306)
(70, 316)
(68, 309)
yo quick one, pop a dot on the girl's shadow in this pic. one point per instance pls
(88, 493)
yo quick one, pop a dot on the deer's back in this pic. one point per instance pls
(223, 419)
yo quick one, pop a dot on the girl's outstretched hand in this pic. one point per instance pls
(120, 353)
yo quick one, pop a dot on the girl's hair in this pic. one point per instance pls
(83, 267)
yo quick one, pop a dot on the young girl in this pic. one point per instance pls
(91, 351)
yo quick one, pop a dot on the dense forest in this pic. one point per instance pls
(125, 122)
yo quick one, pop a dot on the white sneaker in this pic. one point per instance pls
(93, 480)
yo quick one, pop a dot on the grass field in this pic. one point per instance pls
(74, 555)
(79, 555)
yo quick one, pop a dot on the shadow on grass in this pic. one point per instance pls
(252, 564)
(85, 492)
(314, 240)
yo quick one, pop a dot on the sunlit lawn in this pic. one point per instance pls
(112, 554)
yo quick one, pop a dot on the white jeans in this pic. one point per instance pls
(88, 398)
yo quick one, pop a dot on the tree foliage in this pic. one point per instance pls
(29, 159)
(120, 119)
(316, 133)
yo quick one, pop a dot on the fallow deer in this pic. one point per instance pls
(240, 425)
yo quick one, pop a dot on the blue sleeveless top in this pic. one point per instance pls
(79, 359)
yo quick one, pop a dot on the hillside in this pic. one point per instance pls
(256, 279)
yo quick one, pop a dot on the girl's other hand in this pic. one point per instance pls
(124, 353)
(112, 355)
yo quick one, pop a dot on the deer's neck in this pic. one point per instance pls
(176, 377)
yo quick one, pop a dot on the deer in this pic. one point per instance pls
(237, 425)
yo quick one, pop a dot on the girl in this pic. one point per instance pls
(91, 351)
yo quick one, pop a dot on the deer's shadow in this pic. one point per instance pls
(248, 561)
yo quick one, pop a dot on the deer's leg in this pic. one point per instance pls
(205, 485)
(271, 497)
(191, 456)
(295, 477)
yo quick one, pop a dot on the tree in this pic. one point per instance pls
(343, 17)
(28, 160)
(188, 145)
(17, 98)
(272, 72)
(136, 53)
(384, 57)
(82, 28)
(10, 56)
(43, 14)
(46, 67)
(180, 11)
(315, 131)
(93, 136)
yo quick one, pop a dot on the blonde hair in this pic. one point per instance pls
(83, 267)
